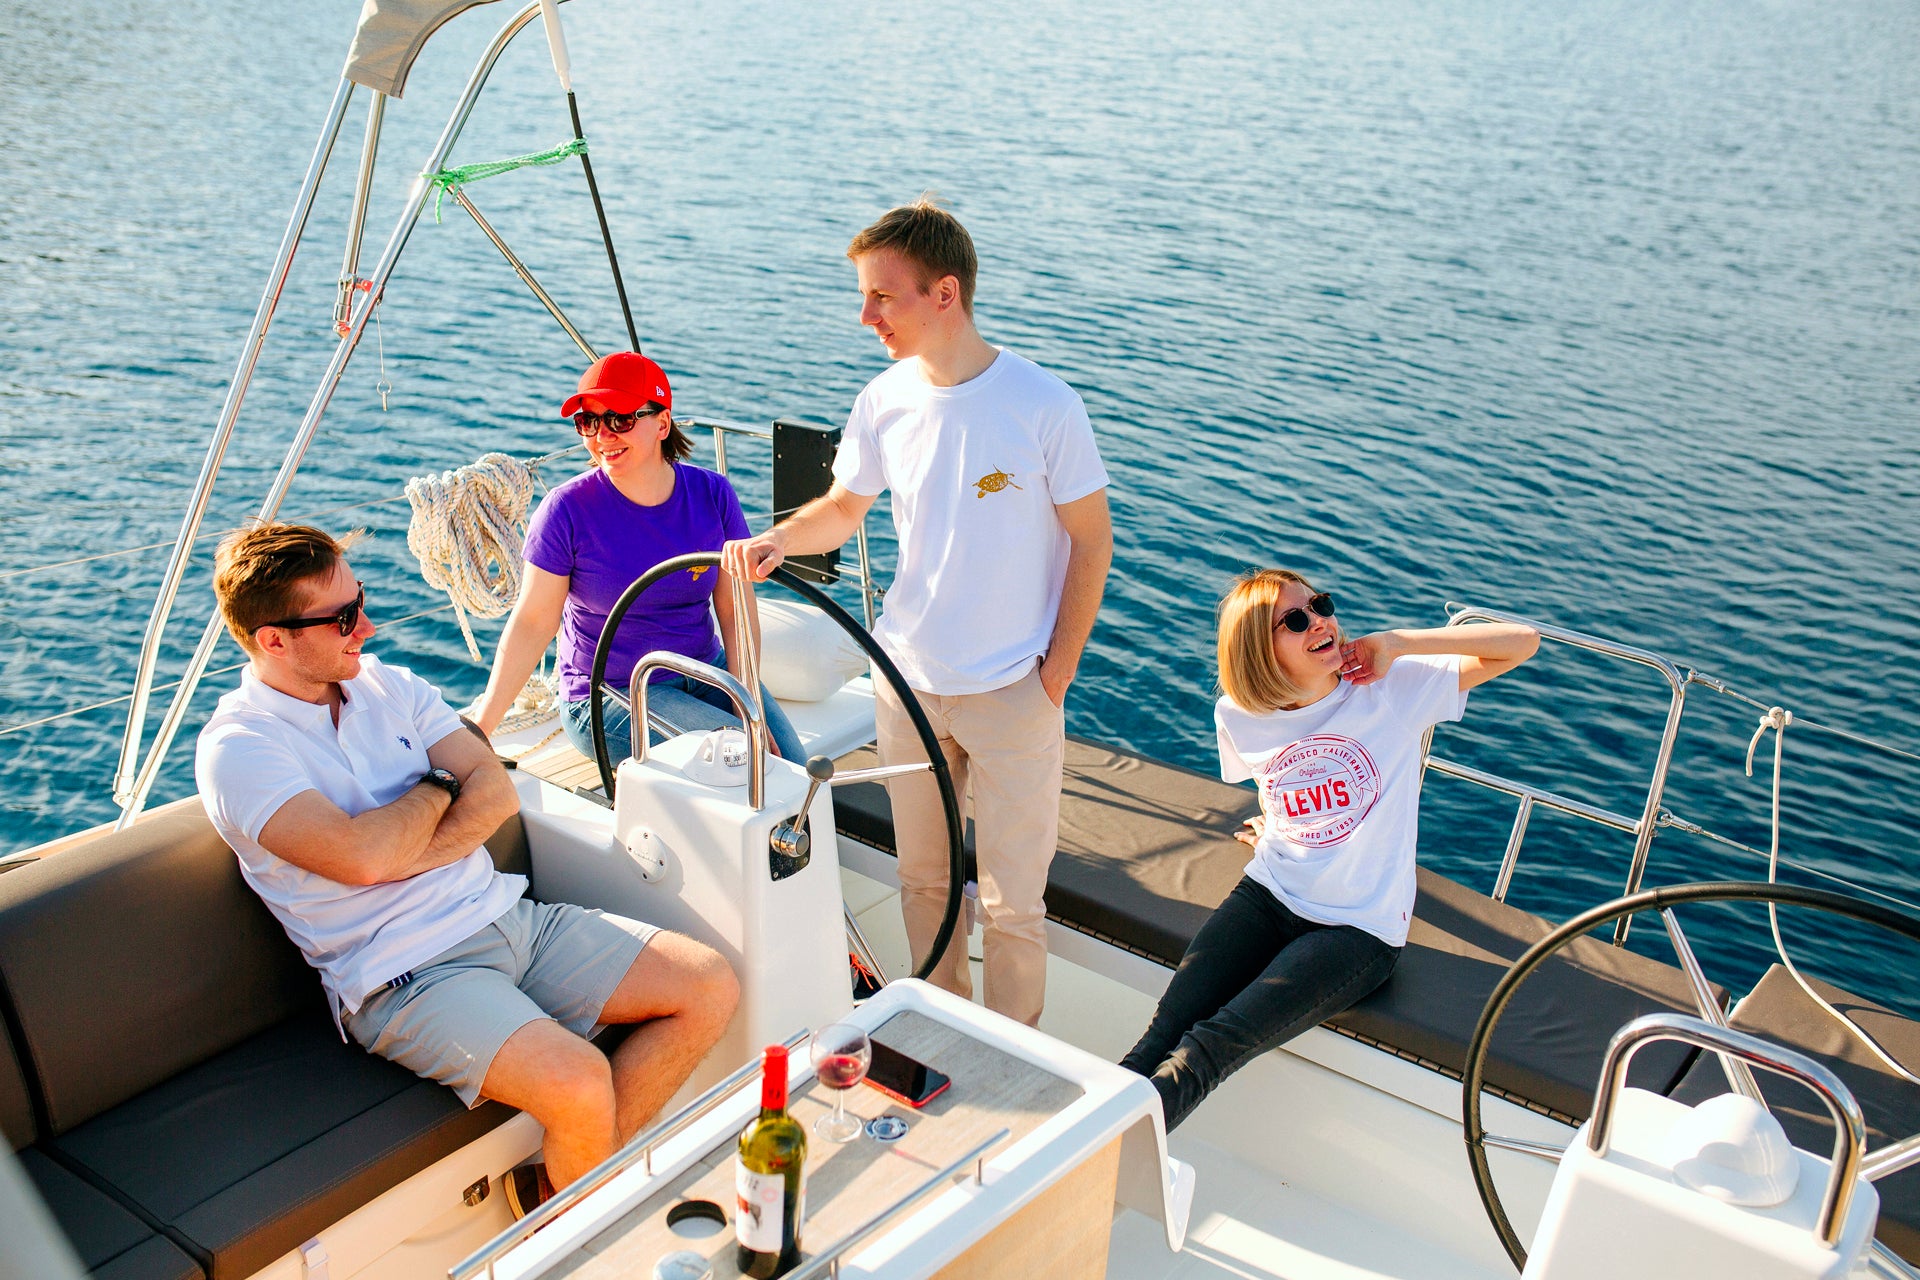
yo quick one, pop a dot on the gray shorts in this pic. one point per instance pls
(539, 960)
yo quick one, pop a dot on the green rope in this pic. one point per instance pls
(449, 180)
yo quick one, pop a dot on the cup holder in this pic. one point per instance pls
(696, 1219)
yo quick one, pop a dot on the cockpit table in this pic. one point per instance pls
(1080, 1135)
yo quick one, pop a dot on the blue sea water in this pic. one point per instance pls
(1601, 313)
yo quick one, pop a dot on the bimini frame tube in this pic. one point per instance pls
(133, 802)
(217, 449)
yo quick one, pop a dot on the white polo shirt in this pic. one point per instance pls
(976, 472)
(263, 748)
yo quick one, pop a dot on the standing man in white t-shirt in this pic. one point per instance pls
(999, 498)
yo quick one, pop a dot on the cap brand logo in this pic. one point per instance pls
(994, 482)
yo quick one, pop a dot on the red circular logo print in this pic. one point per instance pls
(1319, 789)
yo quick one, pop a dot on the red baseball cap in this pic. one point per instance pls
(623, 382)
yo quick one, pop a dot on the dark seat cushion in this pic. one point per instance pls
(184, 1061)
(253, 1152)
(17, 1124)
(135, 956)
(1778, 1010)
(1553, 1037)
(110, 1240)
(1146, 853)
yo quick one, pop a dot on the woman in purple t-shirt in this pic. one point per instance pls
(641, 503)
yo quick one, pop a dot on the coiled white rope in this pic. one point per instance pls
(467, 531)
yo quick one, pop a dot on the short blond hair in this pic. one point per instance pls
(260, 571)
(930, 238)
(1250, 674)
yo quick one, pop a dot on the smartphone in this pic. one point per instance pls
(904, 1079)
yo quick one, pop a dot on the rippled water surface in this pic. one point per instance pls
(1601, 313)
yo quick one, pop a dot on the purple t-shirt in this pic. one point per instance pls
(600, 540)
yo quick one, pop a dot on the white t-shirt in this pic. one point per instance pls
(976, 472)
(263, 748)
(1340, 786)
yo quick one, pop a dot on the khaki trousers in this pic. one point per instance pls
(1005, 749)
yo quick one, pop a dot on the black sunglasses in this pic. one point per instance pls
(346, 619)
(592, 424)
(1296, 620)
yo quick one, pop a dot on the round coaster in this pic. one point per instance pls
(684, 1265)
(886, 1128)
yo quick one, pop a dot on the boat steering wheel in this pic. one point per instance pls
(936, 759)
(1661, 900)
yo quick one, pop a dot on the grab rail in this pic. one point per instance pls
(1643, 828)
(828, 1263)
(745, 706)
(1849, 1129)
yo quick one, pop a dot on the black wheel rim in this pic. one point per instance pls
(1474, 1071)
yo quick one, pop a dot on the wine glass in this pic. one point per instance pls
(840, 1056)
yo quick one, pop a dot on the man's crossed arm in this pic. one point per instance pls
(417, 832)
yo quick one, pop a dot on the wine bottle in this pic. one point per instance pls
(769, 1179)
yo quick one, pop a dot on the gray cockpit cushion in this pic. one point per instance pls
(16, 1105)
(245, 1156)
(1553, 1036)
(1778, 1010)
(1147, 852)
(131, 957)
(108, 1239)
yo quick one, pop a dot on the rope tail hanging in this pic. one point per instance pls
(1777, 719)
(467, 531)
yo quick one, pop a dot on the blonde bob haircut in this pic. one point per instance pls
(1250, 674)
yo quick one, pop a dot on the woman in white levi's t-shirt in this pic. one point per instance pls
(1330, 730)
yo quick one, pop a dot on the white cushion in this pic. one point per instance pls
(804, 655)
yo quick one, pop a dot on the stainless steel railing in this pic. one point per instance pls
(1645, 827)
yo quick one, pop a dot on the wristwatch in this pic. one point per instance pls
(445, 779)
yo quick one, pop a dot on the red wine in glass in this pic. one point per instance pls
(840, 1055)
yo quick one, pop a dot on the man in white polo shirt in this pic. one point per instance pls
(999, 498)
(357, 803)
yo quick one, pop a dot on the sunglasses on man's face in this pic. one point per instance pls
(1297, 621)
(346, 619)
(592, 424)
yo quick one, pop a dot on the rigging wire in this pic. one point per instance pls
(532, 464)
(1721, 687)
(24, 725)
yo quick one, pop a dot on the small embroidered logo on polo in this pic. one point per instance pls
(697, 570)
(403, 742)
(994, 482)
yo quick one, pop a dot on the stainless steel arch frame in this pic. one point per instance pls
(217, 449)
(1642, 828)
(134, 796)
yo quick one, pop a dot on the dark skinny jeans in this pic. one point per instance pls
(1254, 977)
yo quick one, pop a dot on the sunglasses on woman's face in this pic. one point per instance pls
(346, 619)
(1297, 621)
(592, 424)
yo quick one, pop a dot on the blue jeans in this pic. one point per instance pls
(1254, 977)
(693, 706)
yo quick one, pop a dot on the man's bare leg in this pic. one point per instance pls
(683, 994)
(567, 1085)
